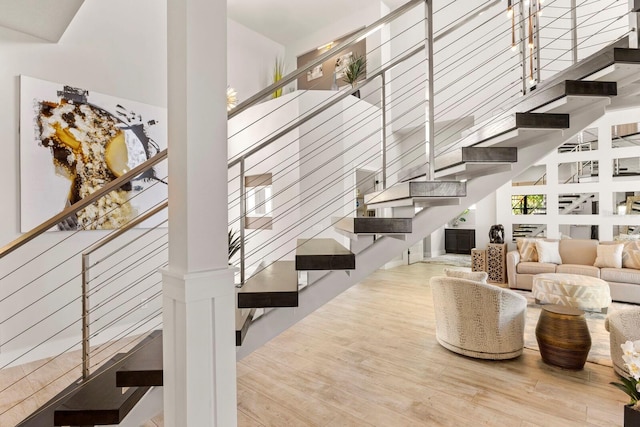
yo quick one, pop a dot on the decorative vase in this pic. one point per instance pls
(631, 417)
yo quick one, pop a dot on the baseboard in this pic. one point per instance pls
(434, 254)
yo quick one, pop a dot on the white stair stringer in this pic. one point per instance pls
(425, 222)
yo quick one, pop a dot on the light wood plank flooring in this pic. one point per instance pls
(370, 358)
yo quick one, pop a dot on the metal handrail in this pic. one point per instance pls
(86, 332)
(322, 58)
(326, 106)
(82, 203)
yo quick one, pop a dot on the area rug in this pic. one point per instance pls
(599, 352)
(458, 260)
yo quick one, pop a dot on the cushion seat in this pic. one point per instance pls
(535, 268)
(622, 275)
(584, 270)
(572, 290)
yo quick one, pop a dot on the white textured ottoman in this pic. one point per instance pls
(573, 290)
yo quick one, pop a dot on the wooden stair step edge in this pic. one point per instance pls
(543, 96)
(274, 285)
(144, 364)
(374, 225)
(99, 401)
(43, 417)
(244, 317)
(476, 155)
(323, 254)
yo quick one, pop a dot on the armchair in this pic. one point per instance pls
(478, 320)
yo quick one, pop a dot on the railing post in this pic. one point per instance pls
(85, 317)
(536, 40)
(574, 32)
(384, 131)
(243, 215)
(523, 47)
(430, 91)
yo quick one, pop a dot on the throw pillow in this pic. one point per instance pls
(548, 252)
(609, 256)
(631, 255)
(527, 249)
(476, 276)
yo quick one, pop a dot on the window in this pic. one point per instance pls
(259, 201)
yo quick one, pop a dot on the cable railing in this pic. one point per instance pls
(308, 159)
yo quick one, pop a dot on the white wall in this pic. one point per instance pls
(116, 48)
(250, 59)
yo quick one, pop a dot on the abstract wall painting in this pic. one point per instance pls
(73, 141)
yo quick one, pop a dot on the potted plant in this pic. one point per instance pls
(631, 386)
(354, 70)
(278, 73)
(234, 243)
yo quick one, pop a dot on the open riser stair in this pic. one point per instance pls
(334, 249)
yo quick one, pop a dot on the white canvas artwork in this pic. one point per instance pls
(73, 141)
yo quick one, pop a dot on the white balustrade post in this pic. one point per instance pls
(198, 290)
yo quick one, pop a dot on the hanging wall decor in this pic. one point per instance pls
(73, 141)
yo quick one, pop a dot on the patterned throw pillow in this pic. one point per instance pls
(609, 256)
(476, 276)
(631, 255)
(527, 249)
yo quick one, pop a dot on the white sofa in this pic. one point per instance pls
(478, 320)
(578, 257)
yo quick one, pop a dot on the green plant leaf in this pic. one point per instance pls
(355, 68)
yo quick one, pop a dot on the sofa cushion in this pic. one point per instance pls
(527, 249)
(476, 276)
(609, 256)
(621, 275)
(535, 268)
(631, 254)
(548, 252)
(578, 251)
(585, 270)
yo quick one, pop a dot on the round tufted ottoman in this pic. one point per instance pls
(572, 290)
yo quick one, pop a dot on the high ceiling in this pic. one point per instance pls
(280, 20)
(46, 19)
(287, 20)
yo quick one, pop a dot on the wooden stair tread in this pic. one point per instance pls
(144, 367)
(276, 285)
(568, 88)
(420, 189)
(323, 254)
(462, 155)
(44, 416)
(374, 225)
(99, 401)
(498, 126)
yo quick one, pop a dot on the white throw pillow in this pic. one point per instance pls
(609, 256)
(476, 276)
(548, 252)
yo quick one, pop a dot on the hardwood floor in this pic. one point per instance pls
(370, 358)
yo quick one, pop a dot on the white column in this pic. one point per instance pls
(198, 290)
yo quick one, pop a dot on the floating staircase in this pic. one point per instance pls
(485, 157)
(109, 394)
